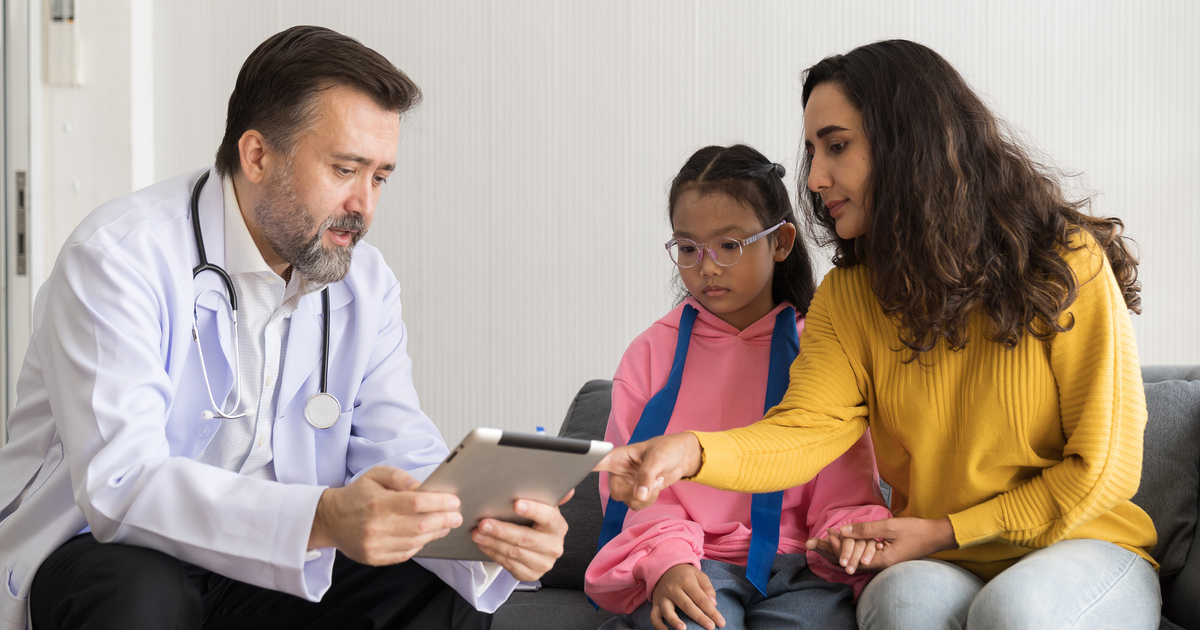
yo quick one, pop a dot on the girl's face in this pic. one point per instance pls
(740, 294)
(841, 158)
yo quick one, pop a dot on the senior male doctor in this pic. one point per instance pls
(165, 476)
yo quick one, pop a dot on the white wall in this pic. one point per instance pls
(526, 219)
(87, 131)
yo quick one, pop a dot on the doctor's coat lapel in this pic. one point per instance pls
(301, 378)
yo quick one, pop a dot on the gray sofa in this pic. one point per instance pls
(1170, 484)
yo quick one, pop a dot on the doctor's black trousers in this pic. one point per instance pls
(86, 584)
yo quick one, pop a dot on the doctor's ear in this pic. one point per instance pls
(252, 148)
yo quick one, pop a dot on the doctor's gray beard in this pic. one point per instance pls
(287, 224)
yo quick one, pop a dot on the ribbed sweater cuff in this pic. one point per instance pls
(665, 555)
(977, 524)
(722, 458)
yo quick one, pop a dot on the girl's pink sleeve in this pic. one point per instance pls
(633, 385)
(623, 574)
(627, 405)
(845, 491)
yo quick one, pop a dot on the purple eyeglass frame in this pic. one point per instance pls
(705, 249)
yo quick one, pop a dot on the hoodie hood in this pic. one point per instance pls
(710, 326)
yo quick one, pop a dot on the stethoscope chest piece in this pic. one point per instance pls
(322, 410)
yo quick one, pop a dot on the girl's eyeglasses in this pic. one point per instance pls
(723, 250)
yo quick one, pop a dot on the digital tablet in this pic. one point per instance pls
(490, 469)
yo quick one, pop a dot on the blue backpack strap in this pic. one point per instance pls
(653, 423)
(766, 508)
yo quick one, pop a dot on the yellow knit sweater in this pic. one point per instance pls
(1021, 448)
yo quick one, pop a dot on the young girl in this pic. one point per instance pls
(976, 321)
(699, 549)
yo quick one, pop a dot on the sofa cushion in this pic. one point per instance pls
(1171, 469)
(548, 608)
(587, 418)
(1157, 373)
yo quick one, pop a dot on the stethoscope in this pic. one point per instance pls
(322, 409)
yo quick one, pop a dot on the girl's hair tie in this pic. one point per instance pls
(779, 170)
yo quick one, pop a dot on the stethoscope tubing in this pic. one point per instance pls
(313, 405)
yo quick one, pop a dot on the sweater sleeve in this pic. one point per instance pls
(822, 414)
(1103, 410)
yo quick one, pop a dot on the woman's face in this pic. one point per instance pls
(841, 157)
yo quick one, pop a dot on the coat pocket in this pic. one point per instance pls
(12, 607)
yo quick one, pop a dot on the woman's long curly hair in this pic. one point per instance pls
(960, 215)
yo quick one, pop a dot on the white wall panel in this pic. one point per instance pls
(526, 219)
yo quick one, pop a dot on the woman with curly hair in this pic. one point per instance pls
(976, 322)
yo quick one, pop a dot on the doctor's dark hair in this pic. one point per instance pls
(276, 90)
(961, 216)
(750, 178)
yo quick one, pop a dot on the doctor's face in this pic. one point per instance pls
(318, 202)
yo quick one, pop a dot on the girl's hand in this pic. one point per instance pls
(637, 472)
(687, 587)
(900, 539)
(844, 552)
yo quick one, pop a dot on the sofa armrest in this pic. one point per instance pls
(1171, 484)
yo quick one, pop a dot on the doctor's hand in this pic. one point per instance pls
(381, 519)
(637, 472)
(527, 552)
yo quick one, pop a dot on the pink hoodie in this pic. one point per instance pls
(724, 386)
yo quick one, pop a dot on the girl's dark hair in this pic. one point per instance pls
(960, 215)
(276, 90)
(749, 177)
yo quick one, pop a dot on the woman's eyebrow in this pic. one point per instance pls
(828, 129)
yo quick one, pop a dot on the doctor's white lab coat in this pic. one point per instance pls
(108, 417)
